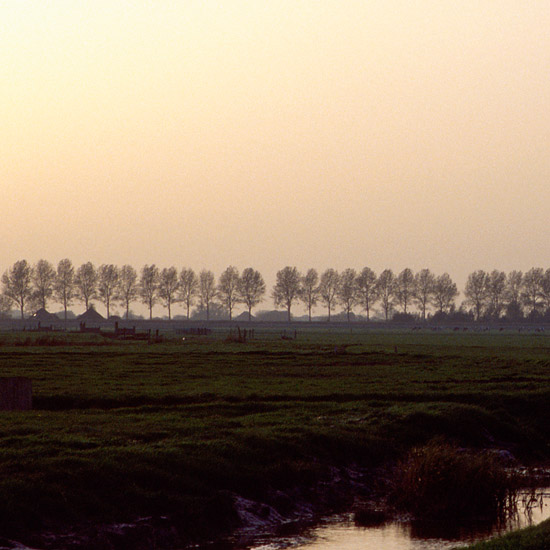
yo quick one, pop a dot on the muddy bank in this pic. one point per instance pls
(228, 520)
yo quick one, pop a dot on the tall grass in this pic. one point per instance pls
(442, 481)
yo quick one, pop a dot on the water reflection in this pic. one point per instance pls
(341, 533)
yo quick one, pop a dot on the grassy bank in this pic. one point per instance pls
(122, 430)
(532, 538)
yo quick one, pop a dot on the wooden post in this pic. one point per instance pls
(15, 394)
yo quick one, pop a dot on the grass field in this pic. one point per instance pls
(121, 430)
(532, 538)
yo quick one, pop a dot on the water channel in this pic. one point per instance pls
(341, 533)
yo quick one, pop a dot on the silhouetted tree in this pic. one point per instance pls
(43, 278)
(251, 288)
(347, 291)
(188, 288)
(107, 285)
(128, 287)
(404, 289)
(514, 286)
(545, 290)
(444, 293)
(207, 290)
(367, 289)
(476, 292)
(86, 283)
(310, 290)
(385, 285)
(149, 286)
(287, 288)
(328, 289)
(17, 282)
(5, 306)
(228, 289)
(168, 285)
(64, 284)
(496, 292)
(424, 282)
(531, 295)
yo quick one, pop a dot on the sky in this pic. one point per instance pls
(203, 133)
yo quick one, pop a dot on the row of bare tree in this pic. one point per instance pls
(350, 289)
(487, 294)
(32, 287)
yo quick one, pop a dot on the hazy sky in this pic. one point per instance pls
(270, 133)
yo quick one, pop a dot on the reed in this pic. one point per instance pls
(441, 481)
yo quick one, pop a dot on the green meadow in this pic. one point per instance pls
(129, 429)
(532, 538)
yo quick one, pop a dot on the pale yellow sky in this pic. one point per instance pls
(270, 133)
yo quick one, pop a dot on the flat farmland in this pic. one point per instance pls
(124, 430)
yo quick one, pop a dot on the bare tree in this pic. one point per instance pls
(496, 291)
(386, 291)
(444, 293)
(424, 282)
(207, 290)
(86, 283)
(328, 288)
(5, 306)
(43, 279)
(168, 287)
(404, 289)
(367, 289)
(128, 287)
(17, 282)
(251, 288)
(532, 289)
(148, 286)
(347, 291)
(228, 289)
(188, 288)
(476, 292)
(512, 296)
(107, 284)
(514, 285)
(64, 284)
(545, 290)
(287, 288)
(310, 290)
